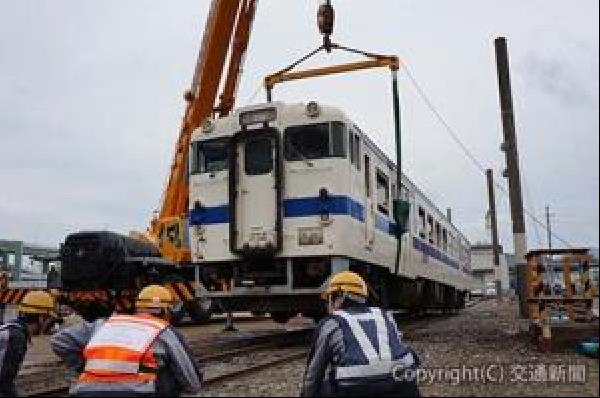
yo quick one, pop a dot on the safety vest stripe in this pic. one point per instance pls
(374, 369)
(107, 365)
(103, 352)
(116, 352)
(122, 336)
(394, 325)
(116, 378)
(143, 321)
(358, 332)
(382, 335)
(119, 354)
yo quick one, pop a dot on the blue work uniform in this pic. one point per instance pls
(14, 337)
(176, 370)
(358, 351)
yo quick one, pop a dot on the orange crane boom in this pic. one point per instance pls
(227, 31)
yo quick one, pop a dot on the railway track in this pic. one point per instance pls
(228, 361)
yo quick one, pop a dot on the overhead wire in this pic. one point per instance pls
(536, 228)
(456, 138)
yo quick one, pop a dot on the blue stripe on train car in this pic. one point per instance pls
(315, 206)
(210, 215)
(431, 251)
(296, 207)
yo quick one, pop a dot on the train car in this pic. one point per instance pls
(284, 195)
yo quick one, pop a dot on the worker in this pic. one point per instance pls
(35, 313)
(357, 350)
(130, 355)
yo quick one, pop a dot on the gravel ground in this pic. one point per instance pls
(491, 336)
(239, 362)
(282, 381)
(486, 339)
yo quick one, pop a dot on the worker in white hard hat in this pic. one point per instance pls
(35, 312)
(357, 350)
(131, 355)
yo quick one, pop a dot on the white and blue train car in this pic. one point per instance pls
(283, 196)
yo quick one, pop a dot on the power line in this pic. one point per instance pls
(532, 205)
(455, 137)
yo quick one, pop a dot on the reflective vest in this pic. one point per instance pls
(119, 352)
(373, 354)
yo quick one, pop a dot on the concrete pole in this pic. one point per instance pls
(509, 146)
(494, 222)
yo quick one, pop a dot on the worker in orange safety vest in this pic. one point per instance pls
(130, 355)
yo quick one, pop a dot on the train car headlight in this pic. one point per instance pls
(258, 116)
(310, 236)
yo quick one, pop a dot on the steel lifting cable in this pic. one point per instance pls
(326, 28)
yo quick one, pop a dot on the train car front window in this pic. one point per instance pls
(210, 156)
(315, 141)
(258, 156)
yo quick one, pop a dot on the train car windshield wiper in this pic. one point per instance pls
(300, 154)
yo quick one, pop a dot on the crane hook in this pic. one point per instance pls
(325, 19)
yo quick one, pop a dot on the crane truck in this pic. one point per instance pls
(102, 271)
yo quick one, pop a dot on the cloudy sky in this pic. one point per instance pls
(91, 103)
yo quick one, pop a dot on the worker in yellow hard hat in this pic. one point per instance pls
(357, 350)
(35, 313)
(128, 355)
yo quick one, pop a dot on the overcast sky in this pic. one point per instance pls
(91, 103)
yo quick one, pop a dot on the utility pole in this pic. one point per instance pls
(509, 146)
(494, 222)
(548, 227)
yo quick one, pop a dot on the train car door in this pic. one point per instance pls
(256, 194)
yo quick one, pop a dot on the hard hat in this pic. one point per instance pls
(38, 302)
(346, 282)
(154, 296)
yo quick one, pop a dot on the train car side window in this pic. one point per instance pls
(422, 225)
(438, 235)
(354, 148)
(338, 139)
(403, 194)
(351, 147)
(357, 150)
(383, 193)
(210, 156)
(445, 239)
(367, 176)
(258, 156)
(430, 229)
